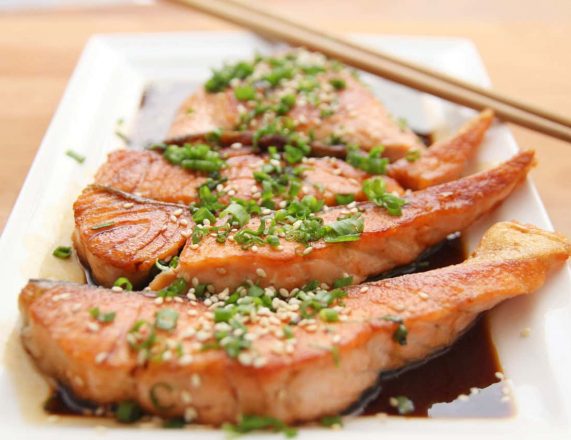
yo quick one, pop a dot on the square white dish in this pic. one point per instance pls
(108, 84)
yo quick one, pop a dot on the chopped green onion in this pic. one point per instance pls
(342, 282)
(344, 199)
(128, 411)
(237, 212)
(412, 155)
(223, 315)
(123, 283)
(249, 423)
(220, 79)
(329, 315)
(75, 156)
(372, 162)
(166, 319)
(344, 230)
(401, 332)
(176, 288)
(203, 214)
(330, 421)
(403, 404)
(104, 317)
(103, 225)
(198, 157)
(375, 190)
(287, 332)
(63, 252)
(338, 83)
(245, 93)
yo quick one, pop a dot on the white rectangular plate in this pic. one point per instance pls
(108, 84)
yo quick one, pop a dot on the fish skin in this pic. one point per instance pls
(363, 118)
(512, 259)
(445, 160)
(386, 242)
(137, 237)
(148, 174)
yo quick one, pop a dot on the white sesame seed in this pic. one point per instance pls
(195, 282)
(61, 297)
(100, 357)
(195, 380)
(185, 396)
(245, 358)
(236, 145)
(117, 289)
(163, 227)
(76, 307)
(173, 218)
(190, 414)
(261, 272)
(393, 402)
(254, 248)
(259, 362)
(423, 295)
(159, 300)
(178, 212)
(186, 233)
(307, 250)
(128, 205)
(183, 222)
(463, 397)
(185, 359)
(194, 246)
(474, 390)
(93, 326)
(221, 270)
(364, 289)
(500, 375)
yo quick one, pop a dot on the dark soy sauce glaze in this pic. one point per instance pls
(432, 385)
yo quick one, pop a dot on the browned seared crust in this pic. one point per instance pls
(361, 118)
(386, 242)
(512, 259)
(148, 174)
(121, 235)
(445, 160)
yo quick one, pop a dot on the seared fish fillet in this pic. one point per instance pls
(148, 174)
(120, 235)
(329, 364)
(445, 160)
(386, 242)
(332, 107)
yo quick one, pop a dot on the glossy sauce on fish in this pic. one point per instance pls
(467, 368)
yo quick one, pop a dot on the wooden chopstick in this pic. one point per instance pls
(387, 66)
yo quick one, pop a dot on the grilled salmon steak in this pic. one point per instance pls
(289, 357)
(298, 96)
(149, 174)
(386, 241)
(121, 235)
(445, 160)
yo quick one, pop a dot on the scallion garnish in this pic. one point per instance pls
(412, 155)
(123, 283)
(375, 190)
(249, 423)
(128, 411)
(344, 199)
(403, 404)
(372, 162)
(79, 158)
(198, 157)
(176, 288)
(166, 319)
(103, 225)
(338, 83)
(104, 317)
(401, 332)
(331, 421)
(62, 252)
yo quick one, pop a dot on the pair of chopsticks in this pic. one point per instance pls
(387, 66)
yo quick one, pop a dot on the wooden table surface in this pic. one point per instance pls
(524, 45)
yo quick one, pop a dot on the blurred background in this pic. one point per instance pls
(523, 43)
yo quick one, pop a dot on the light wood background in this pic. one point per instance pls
(525, 44)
